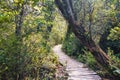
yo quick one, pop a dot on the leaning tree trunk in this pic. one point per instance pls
(97, 52)
(67, 11)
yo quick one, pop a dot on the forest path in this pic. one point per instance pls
(75, 69)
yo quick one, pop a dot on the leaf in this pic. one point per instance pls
(117, 72)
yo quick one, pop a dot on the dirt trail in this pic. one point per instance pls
(75, 69)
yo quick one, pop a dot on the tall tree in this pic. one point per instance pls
(78, 27)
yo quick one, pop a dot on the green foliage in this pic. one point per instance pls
(114, 40)
(114, 34)
(113, 58)
(115, 64)
(88, 59)
(72, 46)
(58, 30)
(10, 52)
(28, 57)
(22, 58)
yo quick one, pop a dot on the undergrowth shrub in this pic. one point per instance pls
(28, 59)
(72, 46)
(115, 61)
(88, 59)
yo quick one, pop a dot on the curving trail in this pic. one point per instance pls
(75, 69)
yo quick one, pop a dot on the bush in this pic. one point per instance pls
(114, 40)
(116, 60)
(26, 58)
(72, 46)
(89, 60)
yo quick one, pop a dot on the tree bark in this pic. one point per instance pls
(18, 35)
(97, 52)
(19, 21)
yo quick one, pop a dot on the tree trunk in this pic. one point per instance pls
(19, 21)
(97, 52)
(18, 35)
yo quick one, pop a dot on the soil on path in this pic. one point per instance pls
(75, 69)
